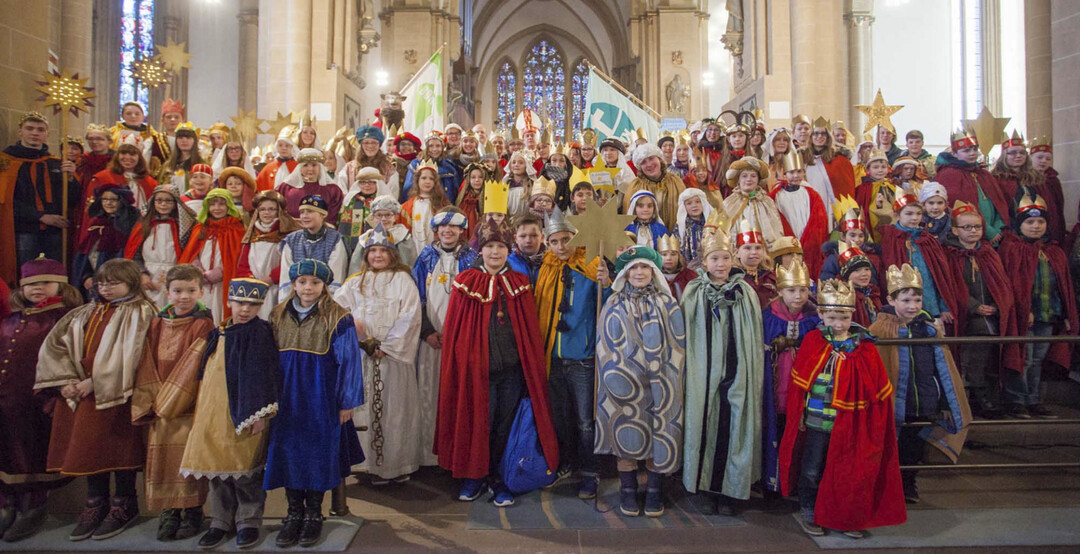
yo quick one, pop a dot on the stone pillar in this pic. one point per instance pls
(858, 17)
(248, 89)
(285, 56)
(1037, 59)
(818, 60)
(990, 38)
(1065, 67)
(76, 38)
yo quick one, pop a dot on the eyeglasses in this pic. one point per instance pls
(164, 201)
(820, 133)
(970, 227)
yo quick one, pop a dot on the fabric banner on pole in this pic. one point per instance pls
(611, 113)
(423, 104)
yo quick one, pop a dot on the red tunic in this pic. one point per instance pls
(841, 175)
(227, 232)
(88, 440)
(860, 484)
(461, 430)
(266, 177)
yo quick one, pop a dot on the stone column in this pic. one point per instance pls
(818, 60)
(76, 23)
(990, 38)
(248, 89)
(285, 66)
(1065, 67)
(1037, 58)
(858, 17)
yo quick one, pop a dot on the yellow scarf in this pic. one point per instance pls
(549, 292)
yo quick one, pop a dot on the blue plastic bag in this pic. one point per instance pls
(523, 466)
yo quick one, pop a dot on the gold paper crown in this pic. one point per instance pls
(288, 133)
(311, 158)
(187, 126)
(800, 118)
(960, 208)
(543, 185)
(834, 294)
(878, 155)
(904, 277)
(639, 134)
(847, 213)
(682, 138)
(545, 136)
(1029, 203)
(785, 245)
(738, 128)
(589, 136)
(219, 127)
(796, 274)
(667, 243)
(793, 161)
(32, 116)
(715, 240)
(496, 196)
(561, 149)
(95, 128)
(716, 221)
(307, 121)
(963, 138)
(1041, 144)
(427, 164)
(822, 122)
(1016, 140)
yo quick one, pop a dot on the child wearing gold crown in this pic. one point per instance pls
(839, 447)
(852, 228)
(1045, 304)
(785, 323)
(802, 208)
(875, 194)
(674, 267)
(724, 376)
(752, 257)
(927, 384)
(959, 172)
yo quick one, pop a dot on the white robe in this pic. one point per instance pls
(818, 179)
(402, 241)
(422, 233)
(389, 306)
(209, 260)
(159, 256)
(795, 207)
(429, 367)
(264, 257)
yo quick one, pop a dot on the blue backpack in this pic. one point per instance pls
(523, 466)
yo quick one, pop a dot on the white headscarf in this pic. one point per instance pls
(219, 160)
(295, 180)
(706, 209)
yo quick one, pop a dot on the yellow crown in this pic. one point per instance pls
(1041, 144)
(963, 138)
(639, 134)
(716, 221)
(834, 294)
(795, 274)
(219, 127)
(543, 185)
(288, 133)
(847, 213)
(682, 138)
(793, 161)
(589, 136)
(427, 164)
(879, 155)
(667, 243)
(785, 245)
(715, 240)
(496, 196)
(822, 122)
(1029, 203)
(800, 118)
(904, 277)
(187, 126)
(95, 128)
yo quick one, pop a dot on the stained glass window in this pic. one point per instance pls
(580, 85)
(543, 85)
(506, 92)
(136, 43)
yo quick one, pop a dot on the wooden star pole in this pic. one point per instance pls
(66, 94)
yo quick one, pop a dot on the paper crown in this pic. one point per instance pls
(32, 116)
(877, 154)
(682, 138)
(960, 207)
(904, 200)
(95, 128)
(716, 221)
(307, 121)
(1041, 144)
(1015, 140)
(715, 239)
(377, 237)
(962, 138)
(1032, 207)
(589, 136)
(834, 294)
(311, 155)
(219, 127)
(189, 127)
(247, 289)
(172, 106)
(785, 245)
(822, 122)
(850, 258)
(428, 165)
(796, 274)
(543, 185)
(738, 128)
(800, 118)
(496, 196)
(639, 134)
(793, 161)
(289, 133)
(748, 233)
(903, 277)
(667, 243)
(556, 222)
(848, 215)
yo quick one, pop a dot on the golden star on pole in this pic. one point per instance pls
(879, 113)
(988, 129)
(65, 93)
(601, 225)
(274, 126)
(173, 56)
(150, 72)
(246, 124)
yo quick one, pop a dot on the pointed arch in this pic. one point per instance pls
(506, 98)
(579, 85)
(543, 83)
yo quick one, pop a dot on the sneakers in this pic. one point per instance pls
(247, 537)
(1016, 411)
(123, 513)
(911, 493)
(628, 487)
(90, 518)
(810, 528)
(587, 489)
(213, 538)
(563, 474)
(503, 497)
(26, 524)
(855, 534)
(402, 479)
(471, 489)
(191, 525)
(1042, 412)
(168, 523)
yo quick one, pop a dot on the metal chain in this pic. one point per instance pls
(377, 412)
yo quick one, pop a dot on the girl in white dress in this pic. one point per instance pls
(260, 251)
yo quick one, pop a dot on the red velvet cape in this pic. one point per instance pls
(136, 240)
(1055, 203)
(860, 484)
(964, 184)
(229, 231)
(107, 177)
(862, 314)
(1020, 259)
(841, 175)
(461, 430)
(894, 251)
(1000, 287)
(816, 232)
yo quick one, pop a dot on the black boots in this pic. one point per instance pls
(313, 518)
(294, 520)
(628, 504)
(654, 495)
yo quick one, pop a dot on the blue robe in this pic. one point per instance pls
(429, 258)
(449, 176)
(656, 229)
(321, 374)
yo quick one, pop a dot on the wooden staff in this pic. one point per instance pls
(64, 188)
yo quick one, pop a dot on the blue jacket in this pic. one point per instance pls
(575, 335)
(517, 263)
(448, 174)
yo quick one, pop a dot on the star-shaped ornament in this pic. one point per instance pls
(879, 113)
(65, 93)
(601, 229)
(988, 129)
(275, 125)
(246, 124)
(173, 56)
(150, 72)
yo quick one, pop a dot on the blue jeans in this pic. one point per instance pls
(48, 242)
(573, 386)
(1024, 388)
(811, 467)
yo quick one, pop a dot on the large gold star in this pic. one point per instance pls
(601, 226)
(246, 125)
(173, 56)
(150, 72)
(988, 129)
(879, 113)
(65, 93)
(275, 125)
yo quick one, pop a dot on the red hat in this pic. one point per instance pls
(409, 137)
(42, 269)
(202, 168)
(905, 200)
(172, 106)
